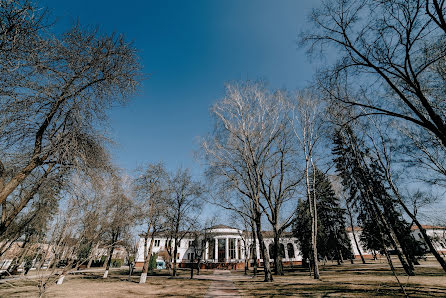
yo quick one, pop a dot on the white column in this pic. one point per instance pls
(236, 248)
(258, 250)
(206, 251)
(286, 251)
(227, 250)
(216, 250)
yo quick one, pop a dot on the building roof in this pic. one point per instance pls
(414, 227)
(349, 229)
(428, 227)
(222, 227)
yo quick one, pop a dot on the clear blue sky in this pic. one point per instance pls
(190, 49)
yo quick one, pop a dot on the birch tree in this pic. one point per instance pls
(248, 123)
(307, 119)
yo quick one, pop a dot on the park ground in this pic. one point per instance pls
(347, 280)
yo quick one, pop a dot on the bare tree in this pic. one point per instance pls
(395, 52)
(120, 215)
(338, 188)
(383, 152)
(308, 129)
(248, 125)
(201, 238)
(245, 225)
(184, 203)
(152, 192)
(77, 226)
(49, 117)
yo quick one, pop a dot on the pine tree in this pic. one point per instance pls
(333, 242)
(363, 179)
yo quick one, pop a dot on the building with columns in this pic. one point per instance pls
(222, 246)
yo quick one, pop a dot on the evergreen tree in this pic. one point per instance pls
(333, 242)
(363, 179)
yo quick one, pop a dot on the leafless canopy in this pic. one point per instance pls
(54, 97)
(393, 57)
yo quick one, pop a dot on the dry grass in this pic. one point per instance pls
(349, 281)
(342, 281)
(92, 285)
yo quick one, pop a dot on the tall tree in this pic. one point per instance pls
(363, 180)
(119, 214)
(395, 52)
(333, 241)
(249, 123)
(381, 148)
(152, 192)
(185, 202)
(61, 90)
(308, 128)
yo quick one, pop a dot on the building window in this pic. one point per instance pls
(290, 250)
(191, 243)
(282, 251)
(190, 256)
(232, 248)
(211, 250)
(272, 251)
(239, 251)
(157, 242)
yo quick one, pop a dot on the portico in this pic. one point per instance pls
(223, 245)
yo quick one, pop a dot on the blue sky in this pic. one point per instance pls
(190, 49)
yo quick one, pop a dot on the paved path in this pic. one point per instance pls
(222, 285)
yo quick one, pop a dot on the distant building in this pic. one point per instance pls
(225, 246)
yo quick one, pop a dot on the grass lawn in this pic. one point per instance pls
(357, 280)
(349, 280)
(92, 284)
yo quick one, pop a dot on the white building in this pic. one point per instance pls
(225, 246)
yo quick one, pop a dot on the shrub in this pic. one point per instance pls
(117, 263)
(152, 262)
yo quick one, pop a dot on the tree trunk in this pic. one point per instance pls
(147, 255)
(313, 211)
(246, 258)
(60, 279)
(426, 237)
(314, 245)
(91, 259)
(278, 265)
(254, 249)
(393, 239)
(175, 251)
(107, 268)
(354, 234)
(263, 251)
(198, 266)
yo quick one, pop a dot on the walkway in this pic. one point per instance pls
(222, 285)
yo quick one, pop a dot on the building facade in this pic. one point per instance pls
(228, 247)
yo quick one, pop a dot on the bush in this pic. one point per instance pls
(116, 263)
(152, 262)
(28, 263)
(98, 263)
